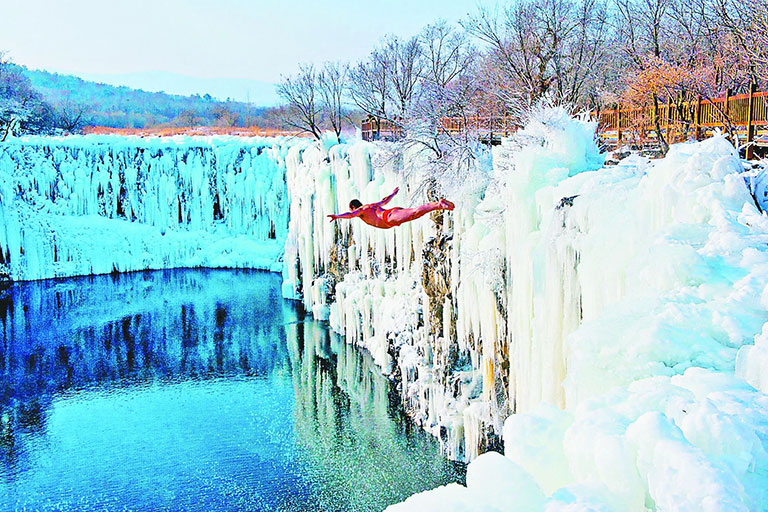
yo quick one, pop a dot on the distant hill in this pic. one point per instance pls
(123, 107)
(254, 92)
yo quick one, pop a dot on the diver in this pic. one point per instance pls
(375, 215)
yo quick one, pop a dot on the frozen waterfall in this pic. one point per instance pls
(97, 204)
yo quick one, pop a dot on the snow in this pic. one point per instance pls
(97, 204)
(493, 480)
(752, 361)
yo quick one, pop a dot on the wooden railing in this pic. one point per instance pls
(745, 114)
(489, 127)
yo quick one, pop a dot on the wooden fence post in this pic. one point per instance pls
(697, 131)
(642, 120)
(618, 124)
(750, 153)
(490, 129)
(669, 119)
(728, 113)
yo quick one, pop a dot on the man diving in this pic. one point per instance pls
(378, 217)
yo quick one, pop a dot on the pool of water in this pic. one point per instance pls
(198, 390)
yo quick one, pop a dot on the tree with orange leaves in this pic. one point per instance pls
(677, 50)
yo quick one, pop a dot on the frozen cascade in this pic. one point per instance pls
(97, 204)
(430, 299)
(367, 282)
(603, 319)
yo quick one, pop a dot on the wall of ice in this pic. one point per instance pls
(368, 282)
(96, 204)
(605, 322)
(430, 299)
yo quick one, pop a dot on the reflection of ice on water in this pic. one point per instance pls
(201, 390)
(149, 325)
(352, 426)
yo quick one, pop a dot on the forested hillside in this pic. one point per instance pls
(33, 101)
(121, 107)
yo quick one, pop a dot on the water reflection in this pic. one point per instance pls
(193, 390)
(349, 419)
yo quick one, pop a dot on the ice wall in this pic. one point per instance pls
(605, 320)
(96, 204)
(431, 299)
(368, 282)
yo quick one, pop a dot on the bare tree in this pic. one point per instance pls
(581, 66)
(406, 71)
(441, 120)
(644, 26)
(709, 53)
(446, 89)
(747, 22)
(545, 46)
(384, 86)
(447, 53)
(368, 85)
(71, 116)
(332, 81)
(300, 93)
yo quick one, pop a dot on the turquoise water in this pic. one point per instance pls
(198, 390)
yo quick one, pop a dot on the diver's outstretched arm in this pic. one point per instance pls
(347, 215)
(389, 197)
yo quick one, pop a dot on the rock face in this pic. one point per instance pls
(436, 280)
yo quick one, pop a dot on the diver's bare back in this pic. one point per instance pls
(374, 215)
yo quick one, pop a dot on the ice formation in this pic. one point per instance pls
(96, 204)
(609, 324)
(604, 321)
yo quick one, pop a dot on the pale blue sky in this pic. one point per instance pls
(254, 39)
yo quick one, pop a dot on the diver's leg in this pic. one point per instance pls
(397, 217)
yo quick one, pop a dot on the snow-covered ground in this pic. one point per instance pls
(97, 204)
(609, 324)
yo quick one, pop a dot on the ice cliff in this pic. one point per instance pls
(89, 205)
(603, 322)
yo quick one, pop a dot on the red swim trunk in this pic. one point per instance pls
(388, 212)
